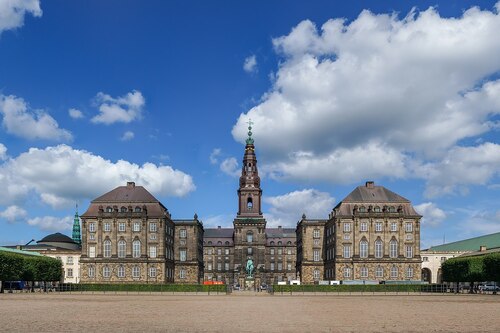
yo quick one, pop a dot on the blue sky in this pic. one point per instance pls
(96, 93)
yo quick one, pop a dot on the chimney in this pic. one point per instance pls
(482, 248)
(370, 184)
(130, 184)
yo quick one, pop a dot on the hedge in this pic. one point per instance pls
(351, 288)
(143, 287)
(14, 267)
(472, 269)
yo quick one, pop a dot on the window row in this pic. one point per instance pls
(123, 209)
(122, 249)
(136, 227)
(364, 226)
(120, 272)
(379, 272)
(377, 209)
(379, 249)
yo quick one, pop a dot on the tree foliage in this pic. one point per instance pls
(15, 267)
(492, 267)
(472, 269)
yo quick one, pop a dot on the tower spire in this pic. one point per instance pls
(249, 139)
(76, 228)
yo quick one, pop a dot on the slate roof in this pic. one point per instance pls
(491, 241)
(56, 238)
(281, 233)
(218, 233)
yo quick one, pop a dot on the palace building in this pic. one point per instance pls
(128, 236)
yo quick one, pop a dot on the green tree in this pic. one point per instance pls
(492, 268)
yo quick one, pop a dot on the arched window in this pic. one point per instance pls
(364, 272)
(280, 243)
(249, 237)
(288, 243)
(249, 203)
(227, 243)
(91, 271)
(376, 209)
(392, 209)
(316, 274)
(219, 243)
(379, 272)
(136, 248)
(379, 248)
(122, 248)
(137, 209)
(136, 272)
(347, 272)
(121, 271)
(362, 209)
(105, 271)
(393, 253)
(109, 209)
(272, 243)
(363, 249)
(107, 248)
(409, 272)
(394, 272)
(209, 242)
(123, 209)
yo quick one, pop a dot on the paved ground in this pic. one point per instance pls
(243, 312)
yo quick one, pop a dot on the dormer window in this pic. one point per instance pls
(137, 209)
(376, 209)
(362, 209)
(123, 209)
(109, 209)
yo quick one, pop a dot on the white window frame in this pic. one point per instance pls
(316, 255)
(182, 233)
(69, 273)
(316, 233)
(106, 249)
(408, 251)
(121, 227)
(92, 251)
(136, 272)
(379, 248)
(136, 227)
(280, 266)
(379, 272)
(182, 254)
(347, 272)
(363, 226)
(107, 227)
(153, 227)
(378, 227)
(152, 251)
(346, 251)
(393, 248)
(106, 272)
(394, 226)
(226, 266)
(136, 248)
(409, 272)
(363, 272)
(91, 271)
(316, 274)
(152, 272)
(394, 272)
(272, 266)
(363, 249)
(347, 227)
(408, 226)
(92, 227)
(120, 272)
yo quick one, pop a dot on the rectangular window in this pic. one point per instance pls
(425, 258)
(408, 227)
(70, 273)
(121, 227)
(69, 261)
(409, 251)
(271, 252)
(443, 259)
(394, 226)
(249, 250)
(219, 266)
(272, 266)
(92, 227)
(92, 237)
(153, 227)
(182, 274)
(152, 272)
(289, 251)
(107, 227)
(92, 251)
(280, 251)
(182, 255)
(409, 237)
(364, 226)
(280, 266)
(209, 266)
(91, 271)
(209, 251)
(316, 233)
(347, 227)
(347, 251)
(182, 233)
(136, 227)
(226, 266)
(378, 227)
(152, 251)
(152, 236)
(226, 251)
(347, 272)
(219, 252)
(316, 242)
(347, 236)
(288, 267)
(316, 255)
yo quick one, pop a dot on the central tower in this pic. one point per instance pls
(249, 224)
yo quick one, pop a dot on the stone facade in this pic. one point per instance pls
(188, 250)
(310, 252)
(373, 234)
(127, 237)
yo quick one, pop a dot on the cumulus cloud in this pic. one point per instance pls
(13, 214)
(214, 155)
(222, 220)
(403, 91)
(3, 151)
(127, 136)
(51, 223)
(230, 167)
(124, 109)
(47, 173)
(250, 64)
(12, 12)
(75, 113)
(287, 209)
(431, 214)
(20, 120)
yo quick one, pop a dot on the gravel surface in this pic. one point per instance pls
(250, 312)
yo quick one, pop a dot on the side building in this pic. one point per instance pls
(373, 234)
(188, 250)
(310, 250)
(127, 236)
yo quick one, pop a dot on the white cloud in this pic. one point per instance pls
(432, 215)
(123, 109)
(378, 96)
(3, 151)
(222, 220)
(75, 113)
(230, 167)
(61, 175)
(20, 120)
(214, 155)
(287, 209)
(13, 213)
(250, 64)
(12, 12)
(480, 222)
(51, 223)
(128, 135)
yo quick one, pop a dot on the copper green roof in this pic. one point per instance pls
(472, 244)
(26, 253)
